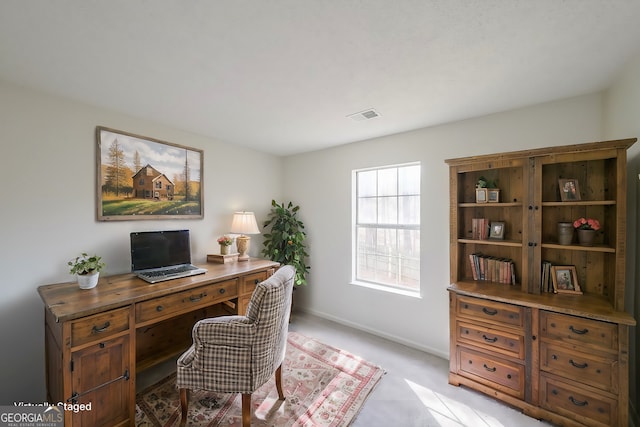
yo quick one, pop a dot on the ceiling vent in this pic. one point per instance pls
(364, 115)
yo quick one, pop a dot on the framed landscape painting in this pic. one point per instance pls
(144, 178)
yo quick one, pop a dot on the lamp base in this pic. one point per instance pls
(242, 242)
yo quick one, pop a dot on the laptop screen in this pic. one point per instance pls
(155, 249)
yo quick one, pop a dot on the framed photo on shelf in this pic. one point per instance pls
(496, 230)
(481, 195)
(569, 190)
(493, 195)
(565, 279)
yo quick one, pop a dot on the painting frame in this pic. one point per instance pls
(481, 195)
(569, 283)
(493, 195)
(496, 231)
(569, 190)
(144, 178)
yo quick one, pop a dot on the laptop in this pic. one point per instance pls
(157, 256)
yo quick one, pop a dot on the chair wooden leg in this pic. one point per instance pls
(184, 402)
(279, 383)
(246, 410)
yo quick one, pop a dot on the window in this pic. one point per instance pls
(387, 227)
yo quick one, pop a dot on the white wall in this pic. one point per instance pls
(321, 183)
(622, 119)
(48, 212)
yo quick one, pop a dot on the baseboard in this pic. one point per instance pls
(634, 418)
(375, 332)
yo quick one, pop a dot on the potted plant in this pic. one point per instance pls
(224, 242)
(285, 241)
(587, 228)
(87, 270)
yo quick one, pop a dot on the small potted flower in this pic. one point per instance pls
(87, 270)
(587, 228)
(224, 242)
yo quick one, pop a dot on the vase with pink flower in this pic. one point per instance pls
(224, 242)
(586, 228)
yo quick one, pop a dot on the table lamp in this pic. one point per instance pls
(244, 223)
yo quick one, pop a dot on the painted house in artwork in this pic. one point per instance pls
(149, 183)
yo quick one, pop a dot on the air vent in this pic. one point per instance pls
(364, 115)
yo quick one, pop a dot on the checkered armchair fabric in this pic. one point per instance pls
(238, 354)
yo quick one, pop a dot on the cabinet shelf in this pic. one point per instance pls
(511, 243)
(490, 205)
(595, 248)
(581, 203)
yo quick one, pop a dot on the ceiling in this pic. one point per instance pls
(281, 76)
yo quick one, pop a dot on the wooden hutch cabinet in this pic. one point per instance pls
(556, 356)
(97, 340)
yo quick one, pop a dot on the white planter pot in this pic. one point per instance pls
(88, 281)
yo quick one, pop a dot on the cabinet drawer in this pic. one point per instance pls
(248, 283)
(99, 326)
(492, 339)
(490, 311)
(589, 369)
(185, 301)
(501, 374)
(589, 408)
(578, 330)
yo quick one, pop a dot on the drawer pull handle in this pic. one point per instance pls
(485, 310)
(487, 339)
(197, 298)
(255, 282)
(159, 308)
(578, 365)
(578, 331)
(103, 328)
(222, 291)
(488, 368)
(577, 402)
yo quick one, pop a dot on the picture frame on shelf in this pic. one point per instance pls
(493, 195)
(496, 230)
(565, 279)
(481, 195)
(569, 190)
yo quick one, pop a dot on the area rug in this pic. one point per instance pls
(323, 386)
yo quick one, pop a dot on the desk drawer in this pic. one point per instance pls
(185, 301)
(490, 311)
(589, 369)
(492, 339)
(589, 408)
(248, 283)
(578, 330)
(99, 327)
(498, 373)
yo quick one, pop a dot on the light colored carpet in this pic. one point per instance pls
(323, 385)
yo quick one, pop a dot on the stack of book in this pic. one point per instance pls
(492, 269)
(479, 228)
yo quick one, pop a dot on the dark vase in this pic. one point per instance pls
(585, 237)
(565, 233)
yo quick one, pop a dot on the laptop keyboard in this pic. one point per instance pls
(169, 271)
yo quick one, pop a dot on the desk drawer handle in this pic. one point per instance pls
(222, 291)
(578, 331)
(578, 365)
(97, 330)
(255, 282)
(197, 297)
(577, 402)
(485, 310)
(487, 339)
(159, 308)
(488, 368)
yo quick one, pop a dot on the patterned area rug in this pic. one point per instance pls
(323, 386)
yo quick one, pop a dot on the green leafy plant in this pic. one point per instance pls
(85, 264)
(285, 241)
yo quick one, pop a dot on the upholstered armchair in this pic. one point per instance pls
(238, 354)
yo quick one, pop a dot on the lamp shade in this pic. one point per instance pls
(244, 223)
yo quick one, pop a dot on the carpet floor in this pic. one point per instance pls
(323, 386)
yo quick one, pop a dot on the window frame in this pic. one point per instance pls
(355, 226)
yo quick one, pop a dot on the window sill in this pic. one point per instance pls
(389, 289)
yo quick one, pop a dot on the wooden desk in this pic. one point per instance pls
(97, 339)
